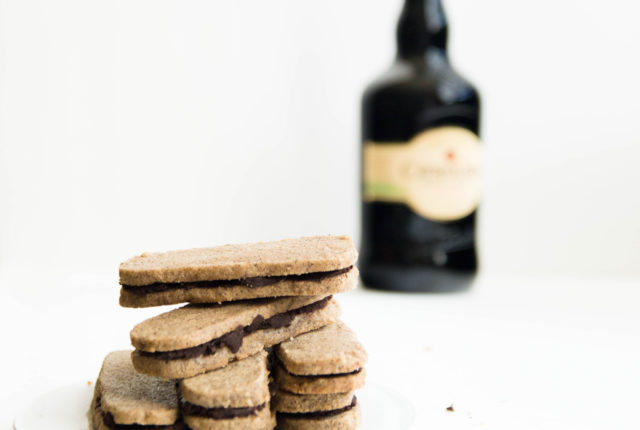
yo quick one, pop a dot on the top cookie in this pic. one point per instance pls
(331, 350)
(132, 397)
(280, 258)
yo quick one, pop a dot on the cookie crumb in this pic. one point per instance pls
(450, 408)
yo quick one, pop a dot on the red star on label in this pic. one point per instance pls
(451, 155)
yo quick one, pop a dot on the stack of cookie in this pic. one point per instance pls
(244, 299)
(316, 374)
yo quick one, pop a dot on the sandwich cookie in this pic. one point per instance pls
(324, 361)
(127, 400)
(235, 397)
(317, 411)
(306, 266)
(195, 339)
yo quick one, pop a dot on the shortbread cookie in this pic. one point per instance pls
(307, 266)
(319, 384)
(296, 403)
(198, 338)
(327, 360)
(312, 412)
(124, 397)
(233, 397)
(336, 281)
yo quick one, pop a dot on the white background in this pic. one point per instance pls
(131, 126)
(128, 126)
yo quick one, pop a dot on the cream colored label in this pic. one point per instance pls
(437, 173)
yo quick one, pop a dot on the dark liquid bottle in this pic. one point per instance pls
(421, 162)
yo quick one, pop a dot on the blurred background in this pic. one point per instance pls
(132, 126)
(151, 125)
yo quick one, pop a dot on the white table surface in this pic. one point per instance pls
(528, 353)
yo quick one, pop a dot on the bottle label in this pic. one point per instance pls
(437, 173)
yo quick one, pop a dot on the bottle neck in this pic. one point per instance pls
(422, 28)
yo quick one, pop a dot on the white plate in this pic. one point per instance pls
(65, 408)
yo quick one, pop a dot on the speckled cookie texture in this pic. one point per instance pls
(281, 258)
(196, 329)
(131, 397)
(348, 420)
(193, 325)
(240, 384)
(205, 366)
(318, 384)
(286, 287)
(316, 374)
(264, 420)
(295, 403)
(330, 350)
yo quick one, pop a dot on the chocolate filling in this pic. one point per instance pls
(233, 339)
(255, 282)
(109, 422)
(318, 415)
(330, 375)
(219, 413)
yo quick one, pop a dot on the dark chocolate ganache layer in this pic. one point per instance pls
(255, 282)
(109, 422)
(233, 339)
(330, 375)
(318, 415)
(219, 413)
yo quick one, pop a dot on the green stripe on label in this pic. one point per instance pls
(383, 191)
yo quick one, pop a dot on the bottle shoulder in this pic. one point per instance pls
(409, 98)
(404, 80)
